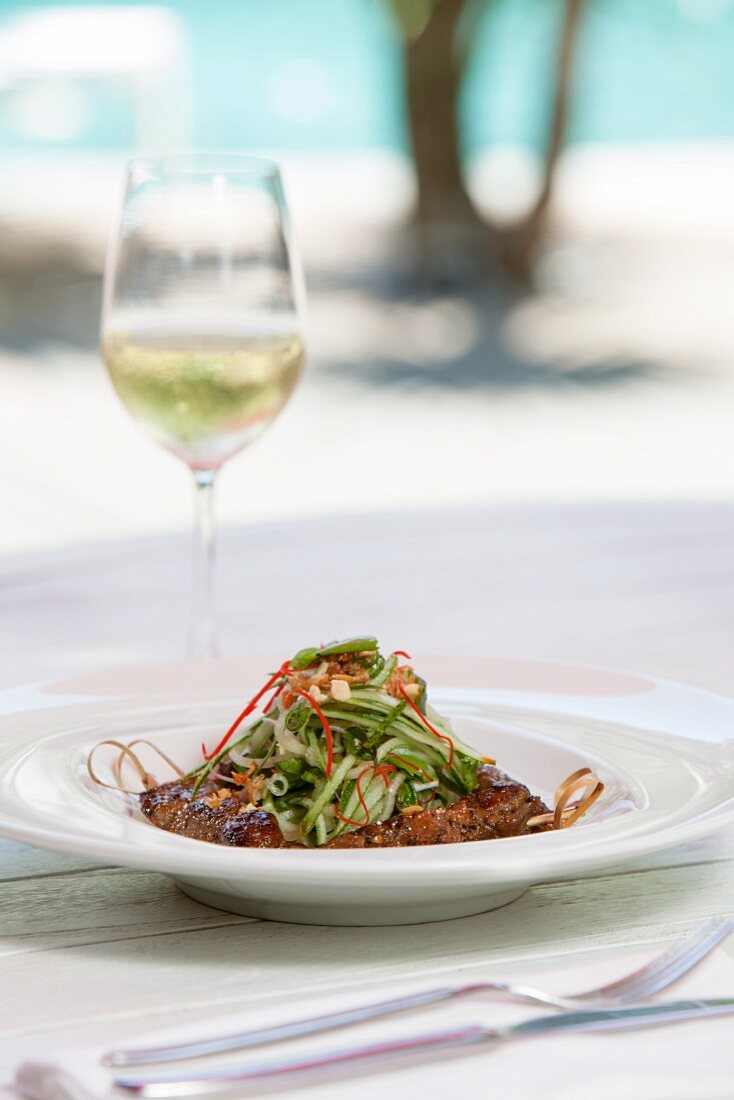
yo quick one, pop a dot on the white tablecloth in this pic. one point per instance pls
(91, 955)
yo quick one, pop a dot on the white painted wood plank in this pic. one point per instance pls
(21, 861)
(96, 907)
(129, 949)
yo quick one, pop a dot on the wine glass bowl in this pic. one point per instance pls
(201, 329)
(204, 397)
(200, 323)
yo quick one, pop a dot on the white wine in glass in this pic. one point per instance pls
(201, 326)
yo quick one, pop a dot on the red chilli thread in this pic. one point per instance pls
(426, 723)
(383, 770)
(347, 820)
(402, 760)
(360, 796)
(282, 671)
(327, 728)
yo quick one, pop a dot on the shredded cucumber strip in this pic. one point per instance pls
(326, 793)
(407, 723)
(320, 830)
(387, 670)
(374, 795)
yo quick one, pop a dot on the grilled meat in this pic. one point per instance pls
(216, 815)
(500, 807)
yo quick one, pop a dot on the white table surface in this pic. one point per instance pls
(90, 952)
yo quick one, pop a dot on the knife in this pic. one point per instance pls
(226, 1082)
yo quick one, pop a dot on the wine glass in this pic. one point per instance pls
(200, 321)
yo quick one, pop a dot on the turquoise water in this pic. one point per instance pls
(316, 74)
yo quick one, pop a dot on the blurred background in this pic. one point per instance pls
(517, 223)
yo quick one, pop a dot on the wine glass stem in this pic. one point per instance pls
(203, 628)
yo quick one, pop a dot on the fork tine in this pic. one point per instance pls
(681, 965)
(659, 963)
(666, 968)
(679, 949)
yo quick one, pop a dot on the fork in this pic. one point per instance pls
(660, 973)
(414, 1048)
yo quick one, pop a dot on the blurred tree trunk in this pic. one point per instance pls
(434, 68)
(435, 63)
(522, 240)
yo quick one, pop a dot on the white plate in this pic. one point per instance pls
(665, 752)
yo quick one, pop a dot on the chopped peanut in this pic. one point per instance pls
(412, 690)
(340, 690)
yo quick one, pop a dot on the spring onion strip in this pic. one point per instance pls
(278, 784)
